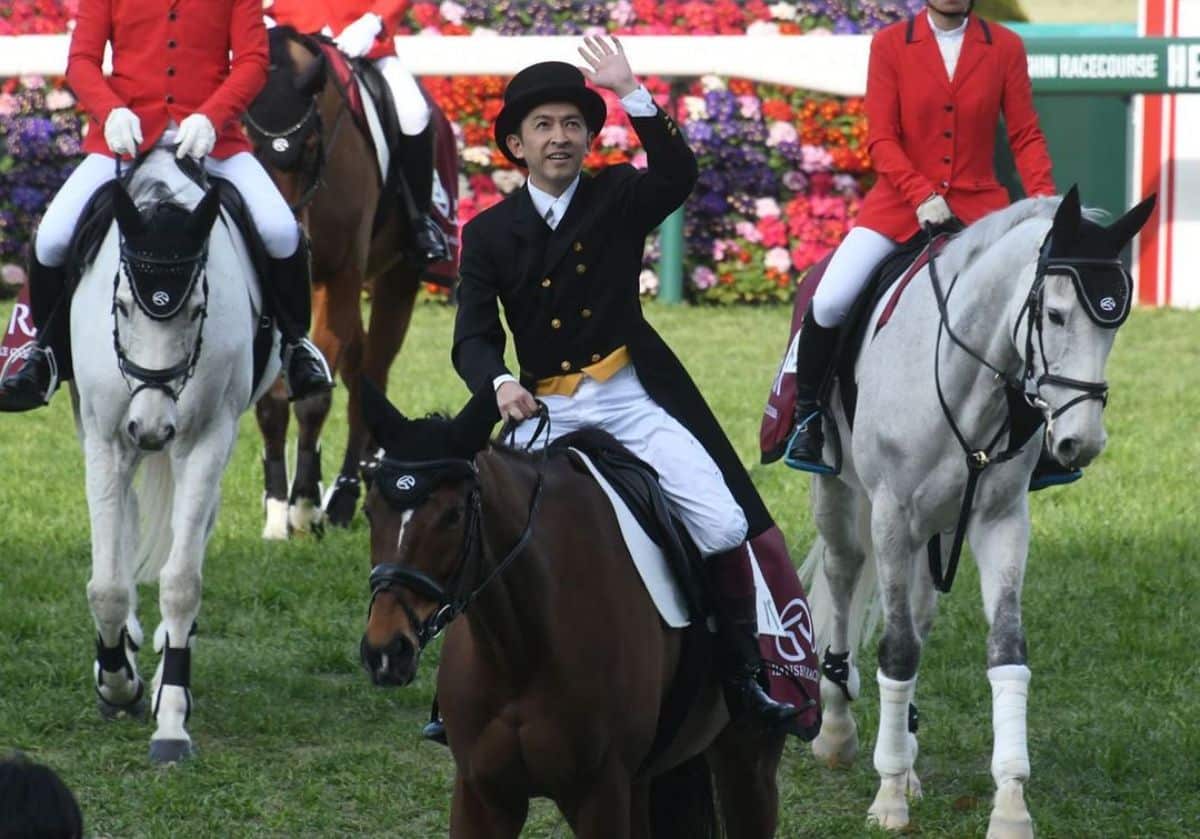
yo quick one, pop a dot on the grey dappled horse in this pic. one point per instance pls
(163, 371)
(1021, 309)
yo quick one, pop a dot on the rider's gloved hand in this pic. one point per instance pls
(357, 39)
(123, 132)
(934, 211)
(196, 137)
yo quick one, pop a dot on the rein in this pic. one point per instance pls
(1024, 392)
(451, 602)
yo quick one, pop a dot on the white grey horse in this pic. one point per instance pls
(1021, 309)
(162, 327)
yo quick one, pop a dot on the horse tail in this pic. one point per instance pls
(866, 608)
(682, 805)
(155, 491)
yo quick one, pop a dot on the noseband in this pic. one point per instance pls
(454, 597)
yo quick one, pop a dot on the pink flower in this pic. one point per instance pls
(722, 247)
(639, 160)
(766, 207)
(621, 13)
(704, 277)
(748, 106)
(8, 104)
(782, 132)
(451, 11)
(778, 259)
(615, 136)
(816, 159)
(33, 82)
(748, 231)
(773, 232)
(58, 100)
(795, 180)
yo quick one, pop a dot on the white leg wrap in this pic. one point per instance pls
(893, 750)
(1010, 752)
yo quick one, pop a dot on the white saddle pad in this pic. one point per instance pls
(656, 574)
(376, 126)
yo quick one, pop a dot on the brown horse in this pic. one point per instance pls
(554, 679)
(325, 166)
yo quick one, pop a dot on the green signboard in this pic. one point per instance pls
(1114, 65)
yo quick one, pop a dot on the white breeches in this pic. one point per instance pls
(689, 477)
(270, 212)
(848, 271)
(411, 108)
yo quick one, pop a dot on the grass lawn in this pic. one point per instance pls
(293, 741)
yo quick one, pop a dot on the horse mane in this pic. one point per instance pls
(964, 248)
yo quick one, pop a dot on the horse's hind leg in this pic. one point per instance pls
(899, 656)
(110, 591)
(745, 763)
(836, 509)
(394, 294)
(273, 413)
(474, 817)
(1001, 547)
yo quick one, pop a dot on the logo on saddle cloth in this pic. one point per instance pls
(20, 332)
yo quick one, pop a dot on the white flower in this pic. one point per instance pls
(648, 282)
(696, 107)
(778, 259)
(710, 83)
(479, 155)
(781, 132)
(782, 11)
(766, 207)
(762, 27)
(506, 180)
(451, 11)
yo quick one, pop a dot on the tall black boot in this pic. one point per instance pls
(737, 655)
(417, 164)
(288, 291)
(48, 359)
(813, 357)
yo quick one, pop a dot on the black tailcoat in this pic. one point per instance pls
(571, 294)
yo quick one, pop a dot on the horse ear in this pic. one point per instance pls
(1128, 225)
(379, 415)
(200, 222)
(1068, 217)
(473, 425)
(129, 220)
(312, 79)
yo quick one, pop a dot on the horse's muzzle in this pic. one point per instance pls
(392, 666)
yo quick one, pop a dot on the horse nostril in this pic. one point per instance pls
(1068, 450)
(169, 434)
(132, 428)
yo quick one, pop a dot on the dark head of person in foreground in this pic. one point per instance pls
(35, 803)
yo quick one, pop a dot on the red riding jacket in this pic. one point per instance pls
(929, 134)
(171, 59)
(314, 15)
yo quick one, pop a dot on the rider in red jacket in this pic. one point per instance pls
(936, 88)
(183, 71)
(367, 29)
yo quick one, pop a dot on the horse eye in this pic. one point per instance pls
(123, 309)
(1056, 317)
(451, 517)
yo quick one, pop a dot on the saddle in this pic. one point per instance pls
(97, 218)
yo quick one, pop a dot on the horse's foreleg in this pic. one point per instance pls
(272, 413)
(1000, 549)
(899, 655)
(473, 817)
(605, 809)
(744, 762)
(304, 503)
(110, 590)
(835, 512)
(197, 475)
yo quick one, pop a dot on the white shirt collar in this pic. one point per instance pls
(544, 201)
(949, 33)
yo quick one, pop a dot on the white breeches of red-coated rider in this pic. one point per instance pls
(271, 214)
(412, 110)
(689, 477)
(847, 273)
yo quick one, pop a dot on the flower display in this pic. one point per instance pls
(783, 170)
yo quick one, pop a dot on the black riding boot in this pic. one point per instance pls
(288, 291)
(737, 656)
(813, 357)
(48, 361)
(417, 161)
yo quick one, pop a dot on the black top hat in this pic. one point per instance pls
(547, 81)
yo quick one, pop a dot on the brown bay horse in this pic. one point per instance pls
(325, 166)
(555, 674)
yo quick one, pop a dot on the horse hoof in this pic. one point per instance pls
(135, 710)
(305, 516)
(837, 744)
(276, 525)
(341, 502)
(165, 752)
(1010, 817)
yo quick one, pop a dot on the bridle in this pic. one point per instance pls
(457, 594)
(1022, 392)
(283, 140)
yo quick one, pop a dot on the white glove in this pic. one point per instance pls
(934, 211)
(196, 137)
(357, 39)
(123, 132)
